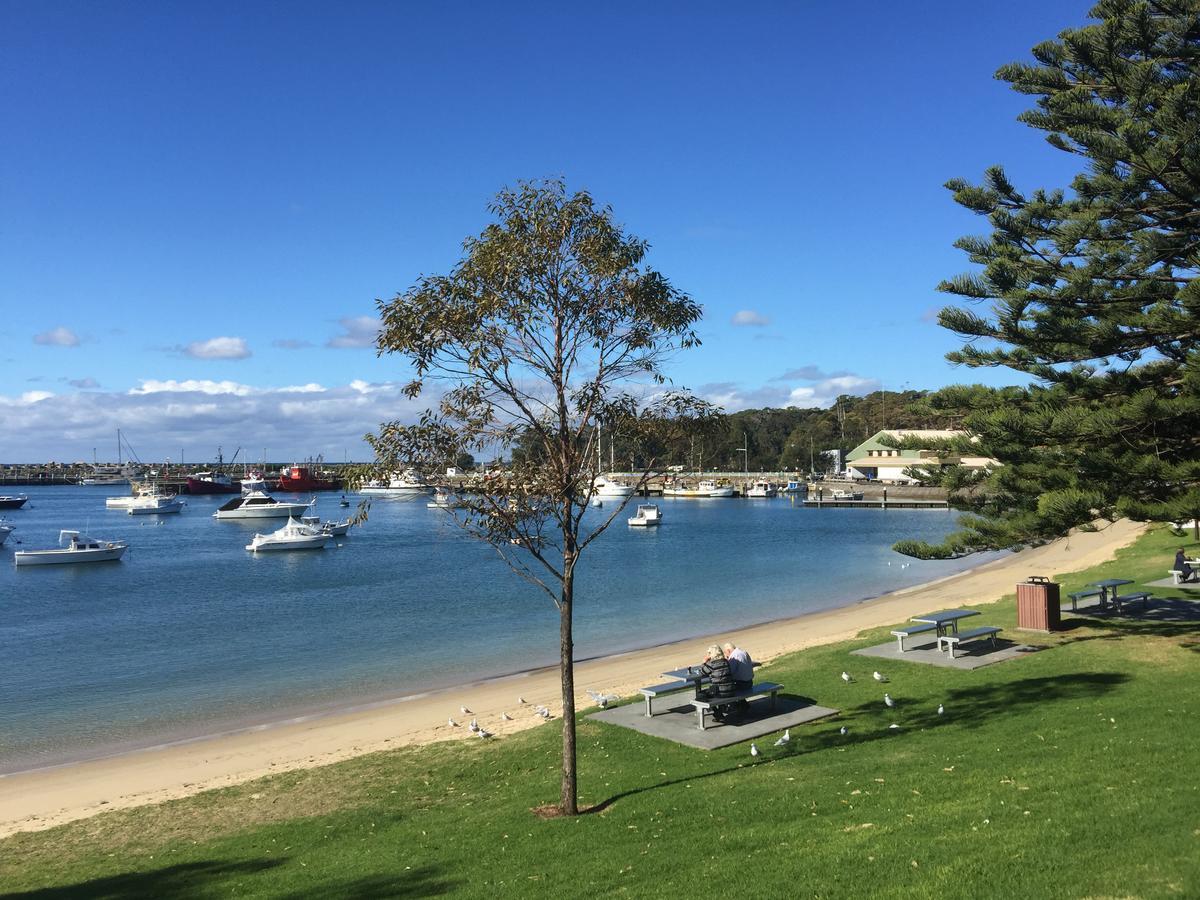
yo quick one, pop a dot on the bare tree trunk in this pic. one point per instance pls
(566, 650)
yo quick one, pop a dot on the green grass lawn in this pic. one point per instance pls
(1070, 772)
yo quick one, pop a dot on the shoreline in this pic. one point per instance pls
(41, 798)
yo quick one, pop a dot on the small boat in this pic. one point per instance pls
(258, 505)
(761, 489)
(681, 489)
(292, 536)
(303, 480)
(606, 486)
(846, 495)
(155, 504)
(333, 529)
(79, 549)
(5, 531)
(794, 487)
(443, 499)
(597, 502)
(713, 489)
(212, 483)
(13, 502)
(343, 502)
(397, 486)
(647, 514)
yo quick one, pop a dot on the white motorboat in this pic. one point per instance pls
(79, 548)
(681, 489)
(333, 529)
(258, 505)
(846, 495)
(761, 489)
(129, 499)
(606, 486)
(397, 486)
(5, 531)
(647, 514)
(443, 499)
(794, 487)
(713, 489)
(292, 536)
(155, 504)
(122, 474)
(597, 502)
(13, 502)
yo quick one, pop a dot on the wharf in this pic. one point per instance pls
(878, 503)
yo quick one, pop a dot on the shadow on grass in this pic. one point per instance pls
(422, 882)
(1168, 617)
(184, 880)
(965, 707)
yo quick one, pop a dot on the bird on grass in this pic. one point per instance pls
(474, 726)
(483, 733)
(887, 698)
(894, 725)
(754, 749)
(844, 730)
(465, 711)
(941, 709)
(787, 736)
(879, 676)
(846, 677)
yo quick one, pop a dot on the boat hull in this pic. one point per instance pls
(203, 486)
(157, 509)
(312, 543)
(277, 511)
(12, 502)
(67, 557)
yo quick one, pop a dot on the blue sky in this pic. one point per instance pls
(199, 204)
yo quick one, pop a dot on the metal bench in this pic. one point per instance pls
(658, 690)
(702, 705)
(953, 640)
(1083, 595)
(1121, 599)
(901, 633)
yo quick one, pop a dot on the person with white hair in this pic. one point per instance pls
(741, 667)
(720, 682)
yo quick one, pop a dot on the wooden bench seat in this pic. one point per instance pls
(901, 633)
(1083, 595)
(658, 690)
(705, 704)
(953, 640)
(1121, 599)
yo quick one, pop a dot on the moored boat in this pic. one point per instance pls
(292, 536)
(397, 486)
(607, 486)
(155, 504)
(761, 489)
(212, 483)
(846, 495)
(258, 505)
(715, 489)
(303, 480)
(13, 502)
(79, 549)
(5, 531)
(647, 514)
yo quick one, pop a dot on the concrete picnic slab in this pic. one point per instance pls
(1169, 582)
(678, 723)
(970, 656)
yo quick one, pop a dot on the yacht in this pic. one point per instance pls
(761, 489)
(155, 504)
(79, 548)
(11, 502)
(713, 489)
(111, 475)
(397, 486)
(257, 505)
(139, 495)
(607, 486)
(647, 514)
(292, 536)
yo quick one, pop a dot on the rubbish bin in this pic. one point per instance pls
(1038, 604)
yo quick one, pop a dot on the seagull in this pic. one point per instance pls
(941, 709)
(784, 739)
(887, 698)
(452, 723)
(465, 711)
(506, 717)
(474, 726)
(543, 712)
(482, 733)
(846, 677)
(603, 699)
(754, 749)
(845, 730)
(894, 725)
(878, 676)
(521, 700)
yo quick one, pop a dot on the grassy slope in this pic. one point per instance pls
(1067, 773)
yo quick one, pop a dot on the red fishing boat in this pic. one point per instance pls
(302, 479)
(212, 483)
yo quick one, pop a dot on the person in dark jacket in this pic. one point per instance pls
(1186, 573)
(720, 680)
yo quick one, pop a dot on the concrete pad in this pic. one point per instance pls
(974, 655)
(678, 723)
(1169, 582)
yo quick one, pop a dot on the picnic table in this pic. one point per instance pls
(1108, 588)
(945, 619)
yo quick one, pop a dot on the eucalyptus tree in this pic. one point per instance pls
(1091, 290)
(549, 333)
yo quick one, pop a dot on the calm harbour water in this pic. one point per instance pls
(191, 635)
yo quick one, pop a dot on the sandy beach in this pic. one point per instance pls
(48, 797)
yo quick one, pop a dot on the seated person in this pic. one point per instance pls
(740, 666)
(720, 681)
(1186, 572)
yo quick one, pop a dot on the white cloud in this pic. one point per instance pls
(218, 348)
(748, 317)
(161, 416)
(732, 396)
(360, 331)
(57, 337)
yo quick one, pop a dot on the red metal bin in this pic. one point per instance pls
(1038, 604)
